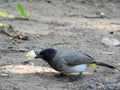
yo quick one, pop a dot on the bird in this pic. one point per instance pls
(67, 61)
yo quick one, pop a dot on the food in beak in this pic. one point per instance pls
(31, 55)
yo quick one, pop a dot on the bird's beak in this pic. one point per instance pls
(38, 55)
(33, 54)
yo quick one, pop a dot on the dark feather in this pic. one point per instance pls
(105, 65)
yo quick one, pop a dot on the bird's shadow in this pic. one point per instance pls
(27, 70)
(51, 76)
(56, 77)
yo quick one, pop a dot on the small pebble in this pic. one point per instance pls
(11, 0)
(90, 86)
(48, 1)
(4, 75)
(111, 32)
(37, 36)
(95, 70)
(102, 14)
(10, 47)
(28, 63)
(25, 62)
(111, 88)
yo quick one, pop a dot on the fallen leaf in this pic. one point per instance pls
(12, 33)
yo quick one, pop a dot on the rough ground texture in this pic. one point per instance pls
(61, 24)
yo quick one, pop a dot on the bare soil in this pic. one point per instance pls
(61, 24)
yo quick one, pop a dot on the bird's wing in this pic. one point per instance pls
(76, 58)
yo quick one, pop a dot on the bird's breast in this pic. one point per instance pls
(58, 66)
(78, 68)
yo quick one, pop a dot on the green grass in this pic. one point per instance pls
(21, 10)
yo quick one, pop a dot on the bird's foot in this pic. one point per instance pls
(60, 75)
(77, 78)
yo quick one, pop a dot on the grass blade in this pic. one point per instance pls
(21, 10)
(2, 25)
(3, 13)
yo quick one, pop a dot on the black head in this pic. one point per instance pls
(46, 54)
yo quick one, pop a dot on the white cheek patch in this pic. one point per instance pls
(79, 68)
(31, 55)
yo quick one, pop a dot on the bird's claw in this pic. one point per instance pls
(74, 79)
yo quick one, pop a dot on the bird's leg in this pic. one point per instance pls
(78, 77)
(60, 75)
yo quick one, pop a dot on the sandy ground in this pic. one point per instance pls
(74, 24)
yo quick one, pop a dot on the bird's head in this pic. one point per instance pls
(46, 54)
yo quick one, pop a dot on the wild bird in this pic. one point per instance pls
(67, 61)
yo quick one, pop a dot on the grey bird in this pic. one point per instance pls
(67, 61)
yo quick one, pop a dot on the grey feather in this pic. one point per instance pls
(73, 58)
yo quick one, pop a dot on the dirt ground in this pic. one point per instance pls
(61, 24)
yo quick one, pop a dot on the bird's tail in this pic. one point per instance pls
(105, 65)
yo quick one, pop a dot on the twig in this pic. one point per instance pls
(19, 18)
(61, 43)
(102, 85)
(94, 17)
